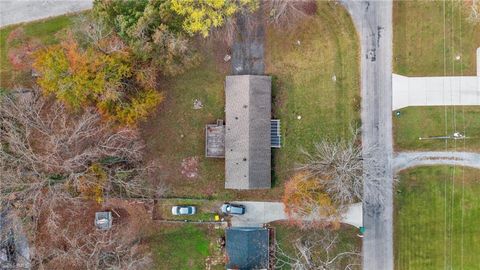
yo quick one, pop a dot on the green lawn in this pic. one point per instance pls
(421, 41)
(423, 46)
(415, 122)
(43, 31)
(206, 210)
(434, 228)
(302, 86)
(183, 247)
(286, 235)
(176, 131)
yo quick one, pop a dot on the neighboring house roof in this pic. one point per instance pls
(247, 134)
(247, 248)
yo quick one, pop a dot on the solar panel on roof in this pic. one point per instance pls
(275, 133)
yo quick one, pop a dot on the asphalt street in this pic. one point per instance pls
(373, 20)
(17, 11)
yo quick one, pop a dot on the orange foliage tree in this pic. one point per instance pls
(88, 77)
(305, 199)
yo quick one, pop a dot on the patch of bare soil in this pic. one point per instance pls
(190, 167)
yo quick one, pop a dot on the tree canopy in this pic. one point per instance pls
(152, 30)
(87, 77)
(201, 15)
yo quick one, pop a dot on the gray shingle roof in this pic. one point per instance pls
(247, 248)
(247, 135)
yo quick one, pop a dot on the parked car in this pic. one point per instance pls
(233, 209)
(183, 210)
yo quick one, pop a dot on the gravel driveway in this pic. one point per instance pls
(411, 159)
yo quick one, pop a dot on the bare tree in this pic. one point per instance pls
(97, 250)
(44, 145)
(289, 12)
(318, 251)
(338, 165)
(93, 31)
(377, 183)
(64, 241)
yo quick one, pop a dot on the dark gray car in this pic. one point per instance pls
(233, 209)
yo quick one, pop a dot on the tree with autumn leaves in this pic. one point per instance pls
(200, 16)
(88, 77)
(305, 198)
(326, 182)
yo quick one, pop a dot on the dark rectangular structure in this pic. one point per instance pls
(247, 248)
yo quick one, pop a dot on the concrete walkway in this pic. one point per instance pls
(259, 213)
(407, 160)
(436, 91)
(17, 11)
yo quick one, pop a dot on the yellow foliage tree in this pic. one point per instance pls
(202, 15)
(91, 184)
(139, 107)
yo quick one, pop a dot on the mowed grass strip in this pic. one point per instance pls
(437, 210)
(316, 83)
(182, 247)
(416, 122)
(427, 33)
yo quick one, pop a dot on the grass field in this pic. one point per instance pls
(415, 122)
(206, 210)
(428, 35)
(43, 31)
(437, 210)
(286, 235)
(184, 247)
(303, 86)
(422, 44)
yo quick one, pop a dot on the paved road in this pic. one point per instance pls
(373, 20)
(17, 11)
(259, 213)
(412, 159)
(248, 51)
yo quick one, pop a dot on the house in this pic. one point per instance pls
(247, 248)
(247, 134)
